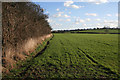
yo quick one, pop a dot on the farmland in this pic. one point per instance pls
(102, 31)
(90, 31)
(74, 56)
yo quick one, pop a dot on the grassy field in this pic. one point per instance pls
(101, 31)
(74, 56)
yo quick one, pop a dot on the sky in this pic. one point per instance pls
(69, 14)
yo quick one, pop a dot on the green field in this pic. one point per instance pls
(74, 56)
(101, 31)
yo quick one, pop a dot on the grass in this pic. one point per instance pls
(74, 56)
(26, 62)
(102, 31)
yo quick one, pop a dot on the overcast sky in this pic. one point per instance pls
(80, 15)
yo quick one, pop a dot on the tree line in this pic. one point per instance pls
(106, 29)
(21, 21)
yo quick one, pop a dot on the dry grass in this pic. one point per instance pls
(12, 55)
(22, 30)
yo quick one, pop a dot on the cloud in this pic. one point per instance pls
(69, 12)
(75, 6)
(68, 20)
(116, 14)
(60, 19)
(103, 1)
(97, 1)
(47, 12)
(77, 21)
(113, 25)
(56, 24)
(57, 9)
(110, 21)
(109, 15)
(91, 14)
(66, 16)
(59, 14)
(105, 21)
(88, 19)
(84, 24)
(70, 4)
(98, 19)
(98, 24)
(49, 20)
(81, 20)
(81, 6)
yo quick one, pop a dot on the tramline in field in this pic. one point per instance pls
(75, 55)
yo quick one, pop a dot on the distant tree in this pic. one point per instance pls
(94, 28)
(106, 29)
(98, 28)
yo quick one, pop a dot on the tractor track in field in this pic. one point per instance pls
(88, 56)
(103, 43)
(41, 52)
(99, 65)
(68, 52)
(69, 58)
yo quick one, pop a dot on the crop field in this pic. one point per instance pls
(102, 31)
(74, 56)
